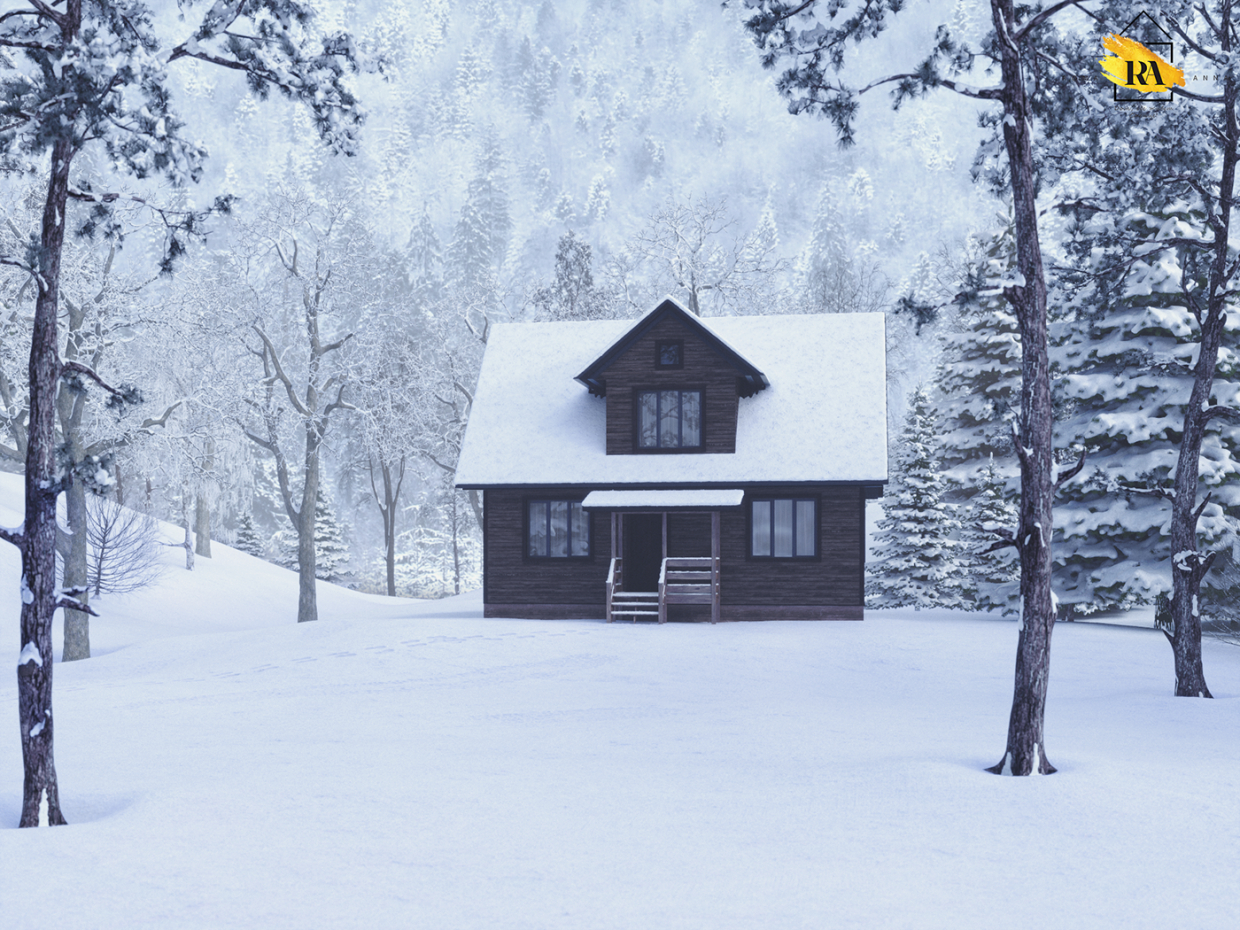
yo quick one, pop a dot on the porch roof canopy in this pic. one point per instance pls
(708, 499)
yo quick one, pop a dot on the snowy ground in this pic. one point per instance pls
(410, 764)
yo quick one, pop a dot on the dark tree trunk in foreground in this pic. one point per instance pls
(1189, 566)
(1026, 745)
(38, 544)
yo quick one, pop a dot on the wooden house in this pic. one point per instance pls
(677, 467)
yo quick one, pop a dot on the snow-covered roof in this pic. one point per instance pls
(823, 418)
(707, 499)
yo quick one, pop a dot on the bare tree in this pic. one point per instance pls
(691, 248)
(124, 548)
(76, 76)
(310, 245)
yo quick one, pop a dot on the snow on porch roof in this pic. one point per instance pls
(823, 418)
(709, 499)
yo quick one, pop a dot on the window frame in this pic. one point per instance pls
(813, 499)
(658, 354)
(699, 389)
(526, 503)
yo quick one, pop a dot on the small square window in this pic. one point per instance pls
(670, 354)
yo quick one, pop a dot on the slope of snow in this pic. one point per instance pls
(410, 764)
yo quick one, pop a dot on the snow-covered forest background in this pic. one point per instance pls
(577, 159)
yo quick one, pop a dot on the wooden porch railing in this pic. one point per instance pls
(688, 580)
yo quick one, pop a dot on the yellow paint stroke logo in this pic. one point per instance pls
(1134, 66)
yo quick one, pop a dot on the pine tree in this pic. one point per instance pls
(977, 385)
(248, 540)
(1126, 371)
(331, 550)
(572, 295)
(991, 579)
(916, 557)
(480, 241)
(424, 260)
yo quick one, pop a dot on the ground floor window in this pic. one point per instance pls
(783, 528)
(558, 529)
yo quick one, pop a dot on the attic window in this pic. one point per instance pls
(669, 419)
(669, 353)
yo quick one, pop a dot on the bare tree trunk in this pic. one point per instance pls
(188, 543)
(202, 508)
(1026, 744)
(202, 526)
(475, 503)
(389, 525)
(1189, 566)
(77, 622)
(307, 597)
(456, 546)
(38, 540)
(386, 502)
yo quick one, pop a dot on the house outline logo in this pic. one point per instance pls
(1136, 65)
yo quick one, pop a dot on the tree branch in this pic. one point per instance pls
(79, 368)
(1071, 472)
(11, 536)
(1221, 412)
(283, 378)
(1042, 17)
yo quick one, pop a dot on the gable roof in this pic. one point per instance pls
(822, 419)
(754, 380)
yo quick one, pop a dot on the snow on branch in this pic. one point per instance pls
(269, 350)
(1221, 412)
(1007, 539)
(72, 603)
(13, 535)
(1061, 478)
(1046, 14)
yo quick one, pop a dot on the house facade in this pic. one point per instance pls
(678, 468)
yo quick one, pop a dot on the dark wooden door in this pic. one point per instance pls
(643, 551)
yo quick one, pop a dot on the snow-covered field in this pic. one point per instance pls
(410, 764)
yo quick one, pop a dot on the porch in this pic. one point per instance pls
(644, 577)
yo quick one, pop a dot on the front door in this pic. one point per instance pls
(643, 551)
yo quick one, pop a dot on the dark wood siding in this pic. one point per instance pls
(635, 370)
(834, 578)
(828, 586)
(510, 578)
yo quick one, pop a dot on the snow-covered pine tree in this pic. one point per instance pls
(331, 550)
(480, 240)
(247, 540)
(991, 579)
(1125, 372)
(916, 561)
(976, 398)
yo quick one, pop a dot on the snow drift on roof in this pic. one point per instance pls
(824, 417)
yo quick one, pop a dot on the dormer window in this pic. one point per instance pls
(669, 419)
(669, 353)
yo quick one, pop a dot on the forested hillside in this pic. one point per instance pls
(519, 160)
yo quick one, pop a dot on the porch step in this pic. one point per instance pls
(635, 604)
